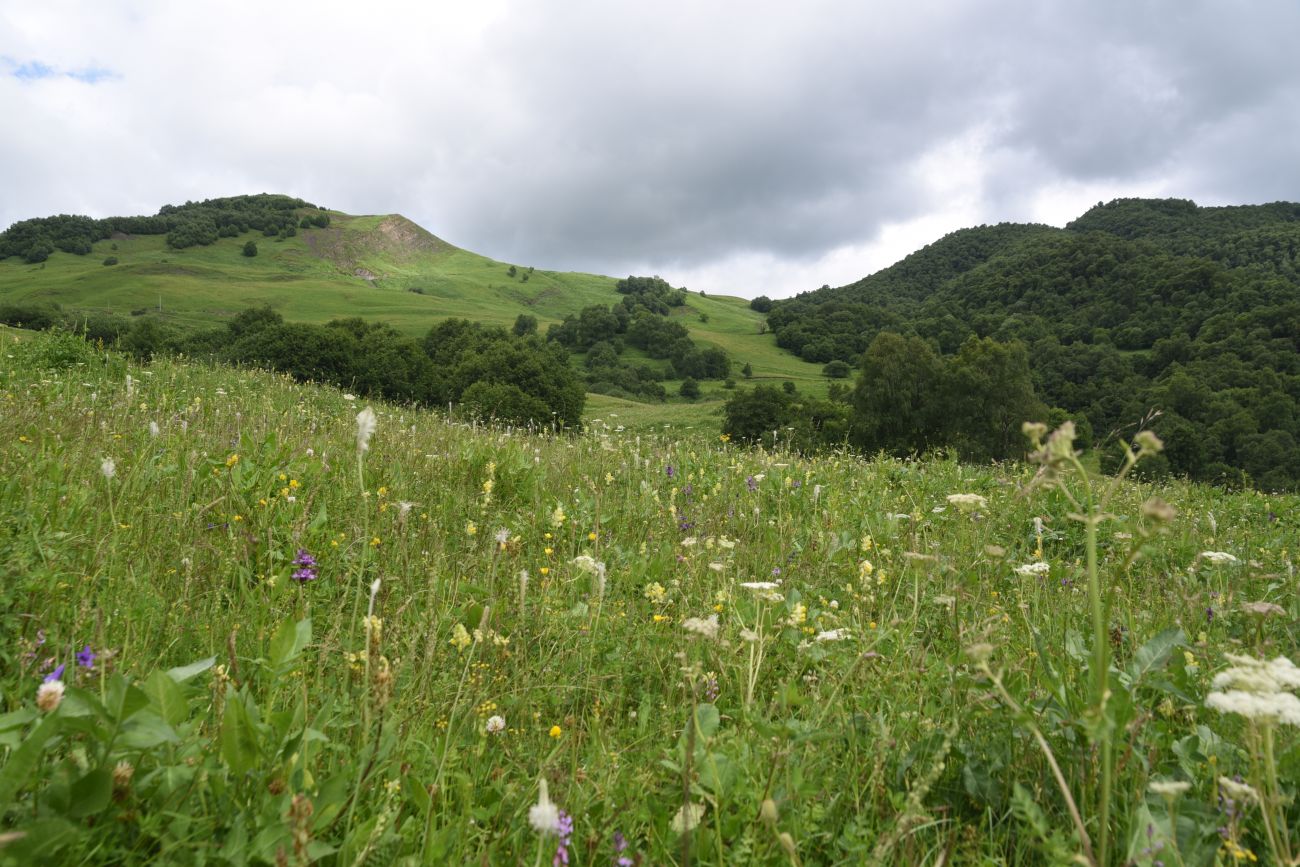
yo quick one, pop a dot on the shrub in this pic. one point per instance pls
(111, 260)
(250, 249)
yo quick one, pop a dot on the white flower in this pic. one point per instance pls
(1030, 570)
(748, 635)
(689, 541)
(1280, 707)
(708, 627)
(1237, 791)
(108, 468)
(49, 695)
(495, 724)
(967, 502)
(1258, 675)
(1219, 558)
(760, 585)
(687, 818)
(349, 397)
(502, 536)
(833, 635)
(717, 567)
(366, 424)
(1168, 788)
(543, 816)
(154, 430)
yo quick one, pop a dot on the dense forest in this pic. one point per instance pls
(187, 225)
(1138, 307)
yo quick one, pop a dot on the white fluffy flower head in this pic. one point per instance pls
(366, 424)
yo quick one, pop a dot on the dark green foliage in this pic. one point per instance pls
(37, 317)
(689, 389)
(111, 260)
(1139, 306)
(525, 325)
(250, 248)
(764, 414)
(747, 371)
(761, 304)
(194, 223)
(837, 369)
(146, 338)
(652, 293)
(908, 399)
(512, 271)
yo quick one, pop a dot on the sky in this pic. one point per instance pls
(744, 148)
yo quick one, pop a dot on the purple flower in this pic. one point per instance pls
(86, 657)
(304, 559)
(751, 483)
(302, 576)
(564, 828)
(620, 846)
(57, 674)
(307, 564)
(669, 470)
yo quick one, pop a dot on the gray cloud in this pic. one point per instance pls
(760, 147)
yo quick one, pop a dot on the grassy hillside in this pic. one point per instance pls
(939, 664)
(366, 266)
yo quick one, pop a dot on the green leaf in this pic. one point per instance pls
(185, 672)
(239, 740)
(707, 720)
(1155, 653)
(90, 794)
(124, 699)
(42, 839)
(166, 695)
(146, 730)
(287, 643)
(22, 762)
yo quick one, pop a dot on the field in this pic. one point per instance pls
(368, 266)
(282, 639)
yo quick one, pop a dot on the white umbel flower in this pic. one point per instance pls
(833, 635)
(108, 467)
(968, 502)
(1219, 558)
(366, 424)
(708, 627)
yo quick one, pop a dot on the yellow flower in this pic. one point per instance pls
(470, 529)
(375, 542)
(660, 618)
(232, 460)
(460, 637)
(556, 731)
(548, 551)
(591, 537)
(545, 570)
(726, 438)
(293, 483)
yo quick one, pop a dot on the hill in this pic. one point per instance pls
(1139, 306)
(314, 265)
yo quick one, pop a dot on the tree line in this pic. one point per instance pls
(1137, 307)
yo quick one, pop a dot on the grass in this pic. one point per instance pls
(306, 731)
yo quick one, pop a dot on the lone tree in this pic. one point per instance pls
(690, 389)
(250, 249)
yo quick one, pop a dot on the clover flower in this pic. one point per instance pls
(544, 816)
(495, 724)
(49, 695)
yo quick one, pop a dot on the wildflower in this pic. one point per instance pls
(470, 528)
(968, 502)
(108, 468)
(760, 585)
(558, 516)
(1030, 570)
(1263, 609)
(495, 724)
(306, 564)
(563, 828)
(1257, 690)
(1219, 558)
(668, 471)
(656, 593)
(555, 732)
(620, 846)
(833, 635)
(687, 817)
(502, 536)
(49, 695)
(460, 637)
(1168, 788)
(86, 657)
(708, 627)
(544, 816)
(154, 430)
(1238, 791)
(366, 424)
(57, 674)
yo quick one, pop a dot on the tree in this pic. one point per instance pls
(250, 249)
(690, 389)
(837, 369)
(761, 304)
(747, 371)
(897, 405)
(525, 324)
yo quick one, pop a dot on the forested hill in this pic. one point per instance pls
(1138, 305)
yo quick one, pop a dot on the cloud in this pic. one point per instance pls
(748, 147)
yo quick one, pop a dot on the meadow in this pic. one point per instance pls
(248, 622)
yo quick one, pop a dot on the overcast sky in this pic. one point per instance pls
(738, 147)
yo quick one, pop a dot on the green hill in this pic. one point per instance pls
(379, 267)
(1139, 306)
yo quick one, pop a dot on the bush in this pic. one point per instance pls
(837, 369)
(761, 304)
(250, 249)
(111, 260)
(690, 389)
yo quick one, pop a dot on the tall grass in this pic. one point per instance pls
(925, 679)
